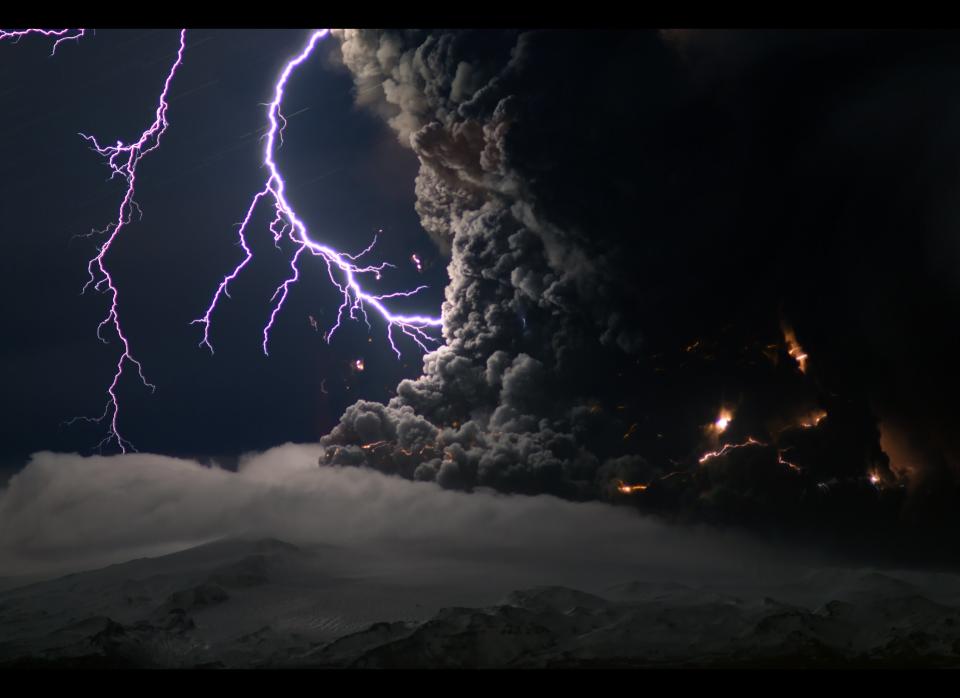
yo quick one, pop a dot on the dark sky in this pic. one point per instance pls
(347, 178)
(633, 216)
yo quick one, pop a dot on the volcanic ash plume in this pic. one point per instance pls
(601, 334)
(535, 316)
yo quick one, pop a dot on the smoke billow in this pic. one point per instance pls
(648, 231)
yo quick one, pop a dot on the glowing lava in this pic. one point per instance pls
(794, 349)
(374, 445)
(630, 489)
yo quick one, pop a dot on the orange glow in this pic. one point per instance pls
(794, 348)
(630, 489)
(358, 365)
(784, 461)
(813, 419)
(722, 422)
(710, 455)
(373, 445)
(904, 459)
(630, 431)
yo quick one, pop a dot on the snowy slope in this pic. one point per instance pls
(557, 627)
(247, 603)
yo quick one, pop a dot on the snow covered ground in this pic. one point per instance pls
(265, 602)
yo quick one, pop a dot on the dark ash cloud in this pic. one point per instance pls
(633, 220)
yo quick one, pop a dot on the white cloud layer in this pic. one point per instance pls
(65, 512)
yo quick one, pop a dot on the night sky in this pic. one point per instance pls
(347, 175)
(695, 297)
(626, 229)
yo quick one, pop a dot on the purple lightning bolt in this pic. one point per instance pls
(338, 264)
(61, 35)
(123, 160)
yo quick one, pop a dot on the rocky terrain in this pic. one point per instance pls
(268, 603)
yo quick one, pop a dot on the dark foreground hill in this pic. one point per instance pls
(267, 603)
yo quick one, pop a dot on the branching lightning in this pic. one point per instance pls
(123, 160)
(60, 35)
(342, 268)
(710, 455)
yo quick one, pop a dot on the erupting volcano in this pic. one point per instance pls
(648, 309)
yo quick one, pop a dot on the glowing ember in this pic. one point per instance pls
(723, 421)
(358, 365)
(784, 461)
(794, 348)
(874, 478)
(813, 420)
(630, 489)
(630, 431)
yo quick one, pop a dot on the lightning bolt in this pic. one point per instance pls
(342, 268)
(60, 35)
(729, 447)
(123, 159)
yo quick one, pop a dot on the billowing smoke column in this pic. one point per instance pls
(356, 299)
(504, 403)
(532, 391)
(656, 295)
(628, 314)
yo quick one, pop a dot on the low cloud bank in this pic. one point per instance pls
(65, 512)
